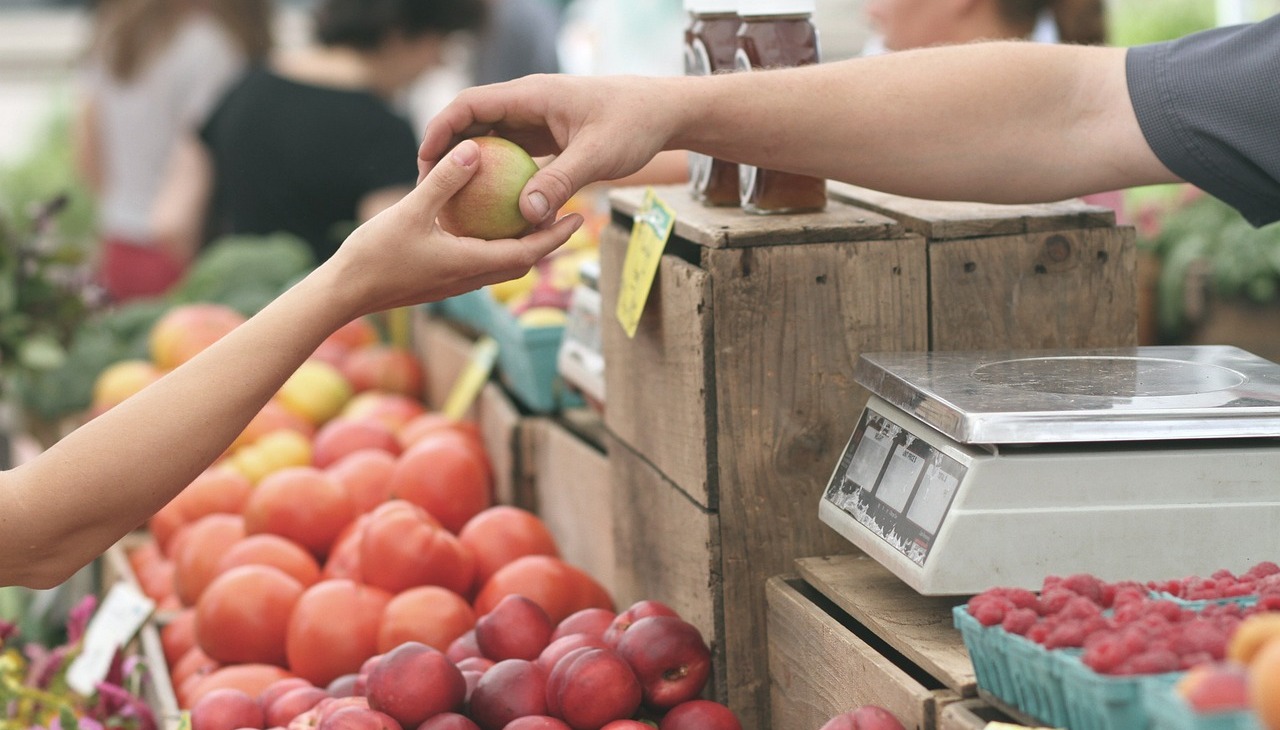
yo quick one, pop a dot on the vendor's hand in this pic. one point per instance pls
(401, 256)
(599, 128)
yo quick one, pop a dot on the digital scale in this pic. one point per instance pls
(970, 470)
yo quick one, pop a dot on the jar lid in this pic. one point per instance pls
(776, 7)
(711, 6)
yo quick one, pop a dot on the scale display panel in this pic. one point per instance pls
(896, 485)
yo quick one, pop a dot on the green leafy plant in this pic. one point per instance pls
(1202, 240)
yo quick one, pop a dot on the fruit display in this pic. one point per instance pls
(1176, 649)
(343, 565)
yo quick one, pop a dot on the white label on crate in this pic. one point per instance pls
(119, 617)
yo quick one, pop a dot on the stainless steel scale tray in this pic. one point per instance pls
(1082, 396)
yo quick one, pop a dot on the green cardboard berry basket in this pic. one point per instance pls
(1168, 711)
(1014, 669)
(1105, 702)
(527, 356)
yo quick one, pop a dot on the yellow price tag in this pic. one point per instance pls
(184, 720)
(472, 378)
(649, 234)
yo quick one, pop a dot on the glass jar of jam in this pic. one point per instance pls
(777, 34)
(710, 45)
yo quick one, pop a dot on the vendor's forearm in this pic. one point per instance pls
(1055, 121)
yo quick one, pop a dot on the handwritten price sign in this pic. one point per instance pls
(649, 234)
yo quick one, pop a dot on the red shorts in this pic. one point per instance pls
(131, 270)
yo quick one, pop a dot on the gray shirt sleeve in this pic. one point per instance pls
(1209, 106)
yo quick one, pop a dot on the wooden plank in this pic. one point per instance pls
(661, 376)
(918, 626)
(1066, 288)
(945, 220)
(732, 228)
(790, 323)
(819, 667)
(499, 422)
(668, 549)
(970, 715)
(574, 499)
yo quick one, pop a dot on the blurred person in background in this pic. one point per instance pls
(153, 70)
(905, 24)
(311, 142)
(519, 39)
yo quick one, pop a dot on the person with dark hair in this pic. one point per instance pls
(906, 24)
(310, 143)
(152, 71)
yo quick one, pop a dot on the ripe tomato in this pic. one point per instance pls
(501, 534)
(560, 588)
(402, 547)
(251, 679)
(301, 503)
(342, 436)
(430, 615)
(446, 477)
(334, 629)
(217, 489)
(198, 551)
(243, 615)
(165, 523)
(178, 635)
(366, 476)
(276, 551)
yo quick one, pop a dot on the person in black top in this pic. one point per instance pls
(309, 143)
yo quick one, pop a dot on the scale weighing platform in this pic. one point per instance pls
(970, 470)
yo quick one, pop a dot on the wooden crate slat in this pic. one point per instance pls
(731, 228)
(669, 549)
(787, 403)
(1066, 288)
(970, 715)
(945, 219)
(819, 668)
(574, 498)
(918, 626)
(665, 364)
(499, 423)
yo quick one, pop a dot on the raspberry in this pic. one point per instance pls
(1263, 569)
(1039, 632)
(988, 609)
(1154, 661)
(1105, 655)
(1221, 574)
(1086, 585)
(1019, 621)
(1053, 599)
(1200, 637)
(1187, 661)
(1080, 608)
(1068, 634)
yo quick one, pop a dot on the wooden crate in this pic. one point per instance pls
(570, 489)
(845, 632)
(736, 395)
(157, 693)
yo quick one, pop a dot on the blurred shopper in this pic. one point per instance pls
(310, 142)
(153, 70)
(904, 24)
(519, 39)
(907, 24)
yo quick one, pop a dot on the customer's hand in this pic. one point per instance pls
(401, 256)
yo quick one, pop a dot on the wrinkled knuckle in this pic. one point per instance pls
(558, 184)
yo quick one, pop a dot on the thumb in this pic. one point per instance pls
(447, 177)
(553, 185)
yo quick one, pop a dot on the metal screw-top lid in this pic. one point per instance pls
(708, 7)
(776, 7)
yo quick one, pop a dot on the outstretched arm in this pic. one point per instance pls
(1002, 122)
(72, 502)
